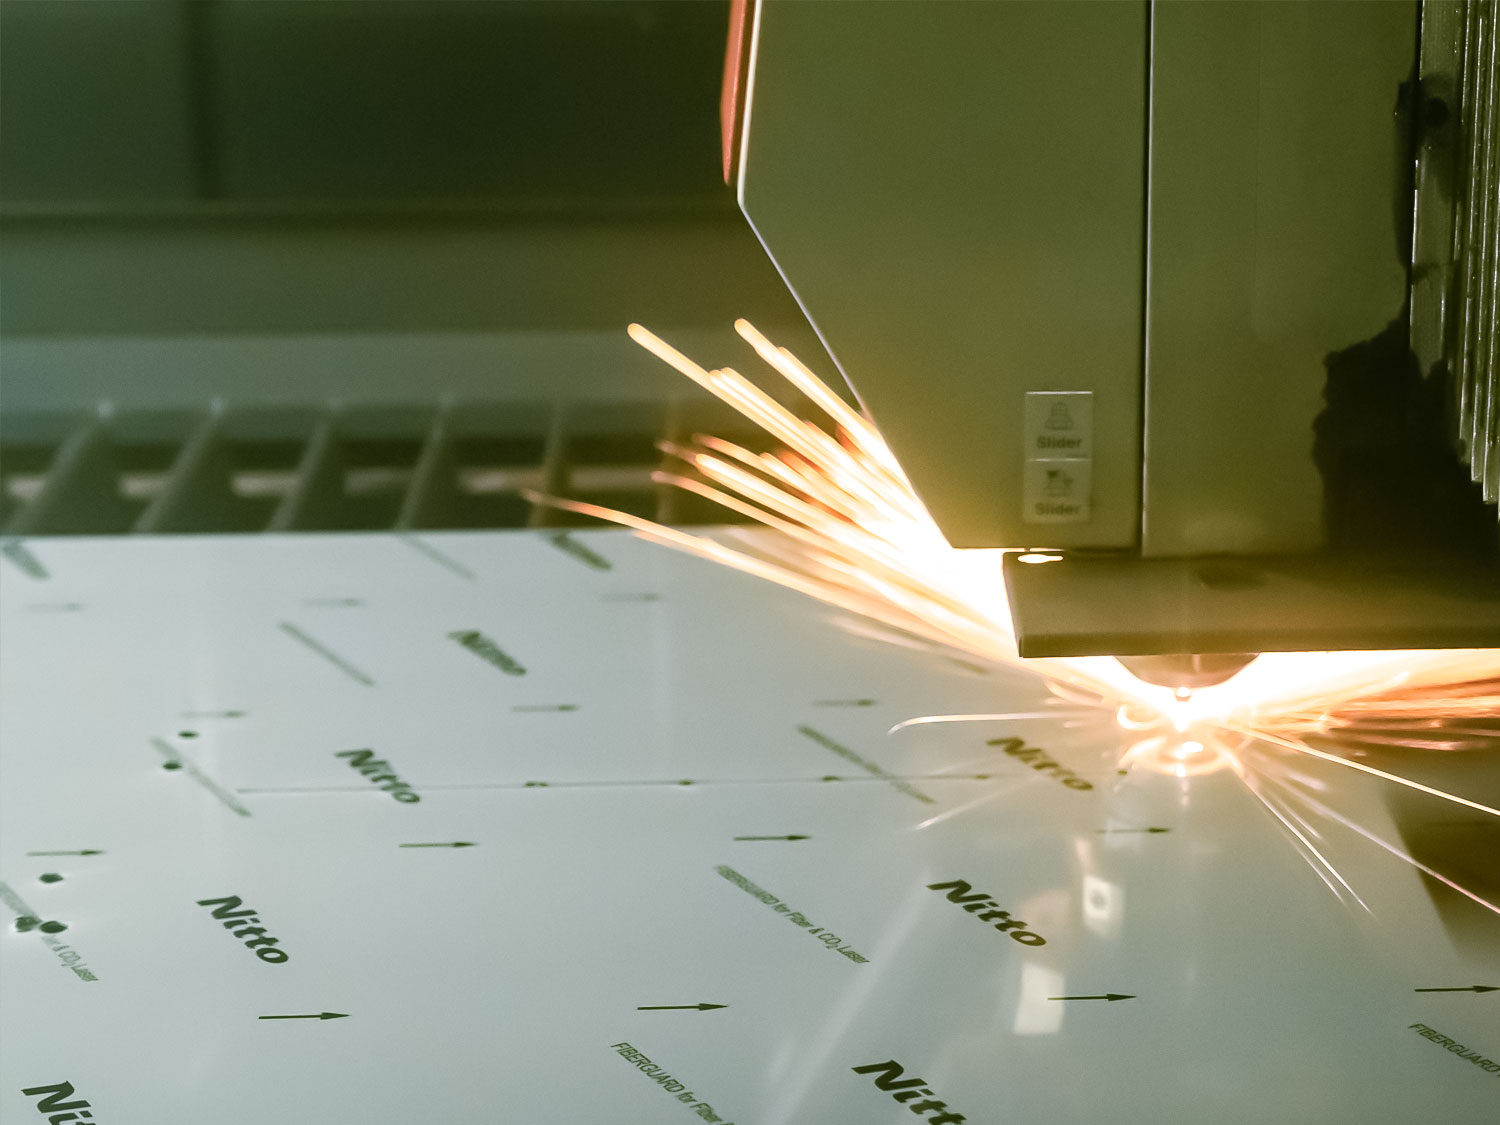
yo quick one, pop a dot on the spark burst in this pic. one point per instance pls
(853, 534)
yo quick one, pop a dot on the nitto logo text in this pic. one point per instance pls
(888, 1077)
(960, 892)
(1038, 760)
(378, 770)
(486, 649)
(227, 909)
(53, 1101)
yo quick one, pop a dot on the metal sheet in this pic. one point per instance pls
(768, 940)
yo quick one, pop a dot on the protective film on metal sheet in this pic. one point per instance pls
(565, 827)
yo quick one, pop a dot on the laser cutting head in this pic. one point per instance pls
(1243, 455)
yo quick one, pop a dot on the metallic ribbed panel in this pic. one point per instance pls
(1456, 238)
(345, 467)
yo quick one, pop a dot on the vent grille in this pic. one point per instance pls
(345, 468)
(1456, 235)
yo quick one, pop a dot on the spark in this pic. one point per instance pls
(1303, 840)
(1399, 854)
(850, 531)
(969, 806)
(1006, 717)
(1304, 748)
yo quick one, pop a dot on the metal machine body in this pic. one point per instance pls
(1096, 270)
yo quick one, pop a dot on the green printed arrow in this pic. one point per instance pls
(545, 707)
(453, 844)
(1470, 988)
(86, 851)
(1106, 996)
(680, 1007)
(310, 1016)
(844, 703)
(773, 837)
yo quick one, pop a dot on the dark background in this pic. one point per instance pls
(556, 103)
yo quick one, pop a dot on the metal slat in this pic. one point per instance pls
(314, 500)
(1434, 237)
(1467, 229)
(244, 471)
(1489, 330)
(555, 470)
(80, 494)
(431, 498)
(1455, 292)
(197, 494)
(668, 499)
(1486, 143)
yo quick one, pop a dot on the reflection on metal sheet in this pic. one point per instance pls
(633, 843)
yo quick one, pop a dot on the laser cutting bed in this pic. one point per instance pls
(631, 844)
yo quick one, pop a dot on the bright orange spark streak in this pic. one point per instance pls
(759, 407)
(1306, 843)
(857, 536)
(1015, 715)
(969, 807)
(851, 559)
(814, 388)
(854, 602)
(1303, 748)
(859, 548)
(814, 539)
(810, 480)
(1399, 854)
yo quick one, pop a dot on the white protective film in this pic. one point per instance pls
(631, 844)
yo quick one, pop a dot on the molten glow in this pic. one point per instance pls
(853, 534)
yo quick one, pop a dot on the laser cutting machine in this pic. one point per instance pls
(424, 807)
(1200, 294)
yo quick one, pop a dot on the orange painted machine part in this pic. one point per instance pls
(732, 94)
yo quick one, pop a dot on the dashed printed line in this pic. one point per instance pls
(326, 653)
(171, 754)
(437, 556)
(636, 783)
